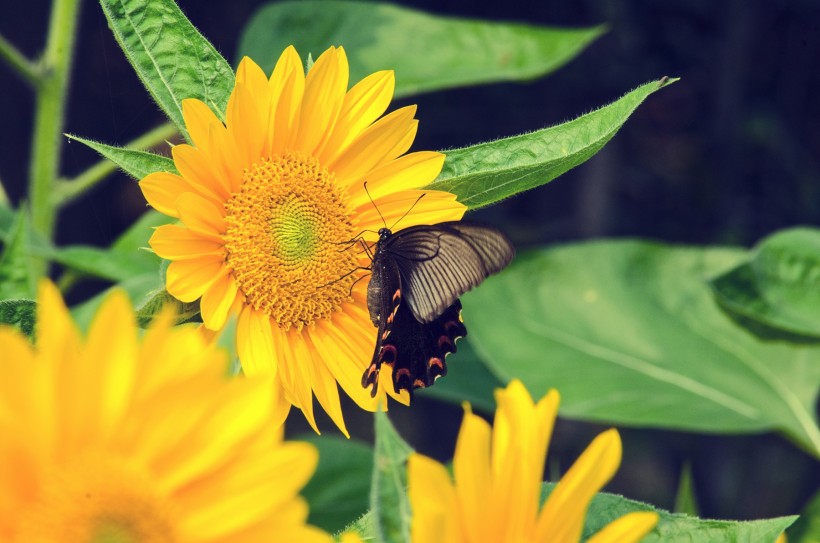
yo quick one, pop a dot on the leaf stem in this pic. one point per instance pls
(50, 115)
(68, 190)
(23, 66)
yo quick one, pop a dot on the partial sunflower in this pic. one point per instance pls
(269, 203)
(498, 477)
(116, 438)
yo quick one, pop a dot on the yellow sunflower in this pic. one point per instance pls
(498, 474)
(118, 439)
(268, 202)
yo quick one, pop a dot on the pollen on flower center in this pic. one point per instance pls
(284, 227)
(99, 501)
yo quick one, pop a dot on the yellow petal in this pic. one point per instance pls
(217, 301)
(471, 468)
(162, 189)
(325, 87)
(196, 167)
(384, 141)
(287, 87)
(254, 343)
(251, 76)
(201, 215)
(412, 207)
(303, 376)
(113, 330)
(186, 280)
(629, 528)
(362, 105)
(432, 500)
(346, 344)
(245, 125)
(325, 388)
(174, 242)
(57, 336)
(411, 171)
(562, 517)
(198, 119)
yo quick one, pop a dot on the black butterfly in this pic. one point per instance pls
(418, 275)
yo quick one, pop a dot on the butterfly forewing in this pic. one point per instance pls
(441, 262)
(418, 274)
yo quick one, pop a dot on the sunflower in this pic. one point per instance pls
(498, 476)
(270, 204)
(114, 438)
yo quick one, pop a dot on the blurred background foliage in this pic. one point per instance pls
(727, 156)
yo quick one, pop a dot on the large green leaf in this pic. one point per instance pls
(135, 163)
(628, 332)
(483, 174)
(678, 528)
(779, 287)
(427, 52)
(388, 496)
(170, 56)
(339, 491)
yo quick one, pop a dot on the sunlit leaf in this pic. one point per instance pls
(173, 60)
(779, 286)
(426, 51)
(629, 333)
(137, 164)
(484, 174)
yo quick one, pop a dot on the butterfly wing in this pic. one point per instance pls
(383, 301)
(416, 352)
(440, 262)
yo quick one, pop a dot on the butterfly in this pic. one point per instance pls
(418, 275)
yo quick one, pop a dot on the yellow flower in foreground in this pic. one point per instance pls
(111, 438)
(268, 202)
(498, 474)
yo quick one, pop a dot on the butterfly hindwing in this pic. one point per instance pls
(415, 352)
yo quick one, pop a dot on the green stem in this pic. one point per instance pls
(24, 67)
(69, 189)
(49, 116)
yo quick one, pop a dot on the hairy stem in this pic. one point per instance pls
(49, 116)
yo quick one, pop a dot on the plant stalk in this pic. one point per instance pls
(14, 58)
(49, 117)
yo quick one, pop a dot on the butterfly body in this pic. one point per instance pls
(418, 274)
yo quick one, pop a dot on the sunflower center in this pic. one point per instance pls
(99, 501)
(285, 226)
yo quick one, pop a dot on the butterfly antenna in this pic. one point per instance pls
(374, 204)
(408, 211)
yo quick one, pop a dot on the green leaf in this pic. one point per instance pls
(388, 495)
(629, 333)
(486, 173)
(137, 287)
(338, 491)
(685, 500)
(137, 164)
(779, 287)
(807, 527)
(137, 236)
(427, 52)
(468, 380)
(678, 528)
(111, 265)
(20, 314)
(173, 60)
(16, 271)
